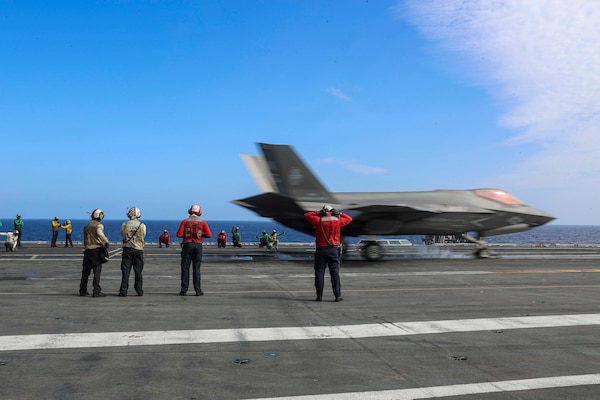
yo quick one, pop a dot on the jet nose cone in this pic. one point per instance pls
(539, 217)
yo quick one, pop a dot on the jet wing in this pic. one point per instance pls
(402, 212)
(275, 205)
(383, 219)
(367, 219)
(411, 212)
(394, 219)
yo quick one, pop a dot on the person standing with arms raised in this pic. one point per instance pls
(192, 230)
(236, 236)
(133, 233)
(328, 223)
(18, 225)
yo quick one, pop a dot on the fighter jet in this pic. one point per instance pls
(289, 189)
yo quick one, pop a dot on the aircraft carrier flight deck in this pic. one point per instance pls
(522, 325)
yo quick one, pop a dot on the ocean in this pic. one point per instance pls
(36, 230)
(40, 230)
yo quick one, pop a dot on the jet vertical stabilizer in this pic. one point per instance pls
(292, 177)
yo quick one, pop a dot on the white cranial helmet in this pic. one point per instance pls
(98, 214)
(195, 209)
(134, 212)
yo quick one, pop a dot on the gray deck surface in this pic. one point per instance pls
(334, 350)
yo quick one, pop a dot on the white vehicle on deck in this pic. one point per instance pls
(374, 249)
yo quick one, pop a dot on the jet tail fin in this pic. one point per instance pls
(259, 170)
(291, 176)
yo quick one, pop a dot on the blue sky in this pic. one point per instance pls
(112, 104)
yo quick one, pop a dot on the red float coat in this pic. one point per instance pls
(327, 228)
(193, 229)
(165, 238)
(222, 237)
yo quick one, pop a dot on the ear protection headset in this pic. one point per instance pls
(326, 209)
(98, 214)
(195, 209)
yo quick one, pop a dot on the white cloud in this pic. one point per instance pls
(353, 166)
(541, 58)
(339, 94)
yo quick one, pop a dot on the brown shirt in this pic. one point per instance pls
(133, 233)
(93, 235)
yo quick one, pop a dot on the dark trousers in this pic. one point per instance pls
(54, 237)
(327, 257)
(191, 253)
(132, 258)
(91, 262)
(19, 232)
(68, 240)
(161, 241)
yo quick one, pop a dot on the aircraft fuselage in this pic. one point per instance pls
(289, 189)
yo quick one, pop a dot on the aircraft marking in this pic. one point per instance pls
(478, 222)
(456, 390)
(515, 220)
(296, 176)
(174, 337)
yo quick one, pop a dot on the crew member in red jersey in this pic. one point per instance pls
(327, 223)
(192, 230)
(222, 239)
(164, 238)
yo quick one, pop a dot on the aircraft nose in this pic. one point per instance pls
(539, 217)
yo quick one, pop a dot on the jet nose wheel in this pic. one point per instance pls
(485, 253)
(482, 253)
(372, 252)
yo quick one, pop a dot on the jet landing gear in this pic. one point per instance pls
(371, 251)
(483, 250)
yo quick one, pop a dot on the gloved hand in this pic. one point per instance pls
(106, 245)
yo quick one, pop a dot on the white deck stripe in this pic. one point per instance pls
(156, 338)
(456, 390)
